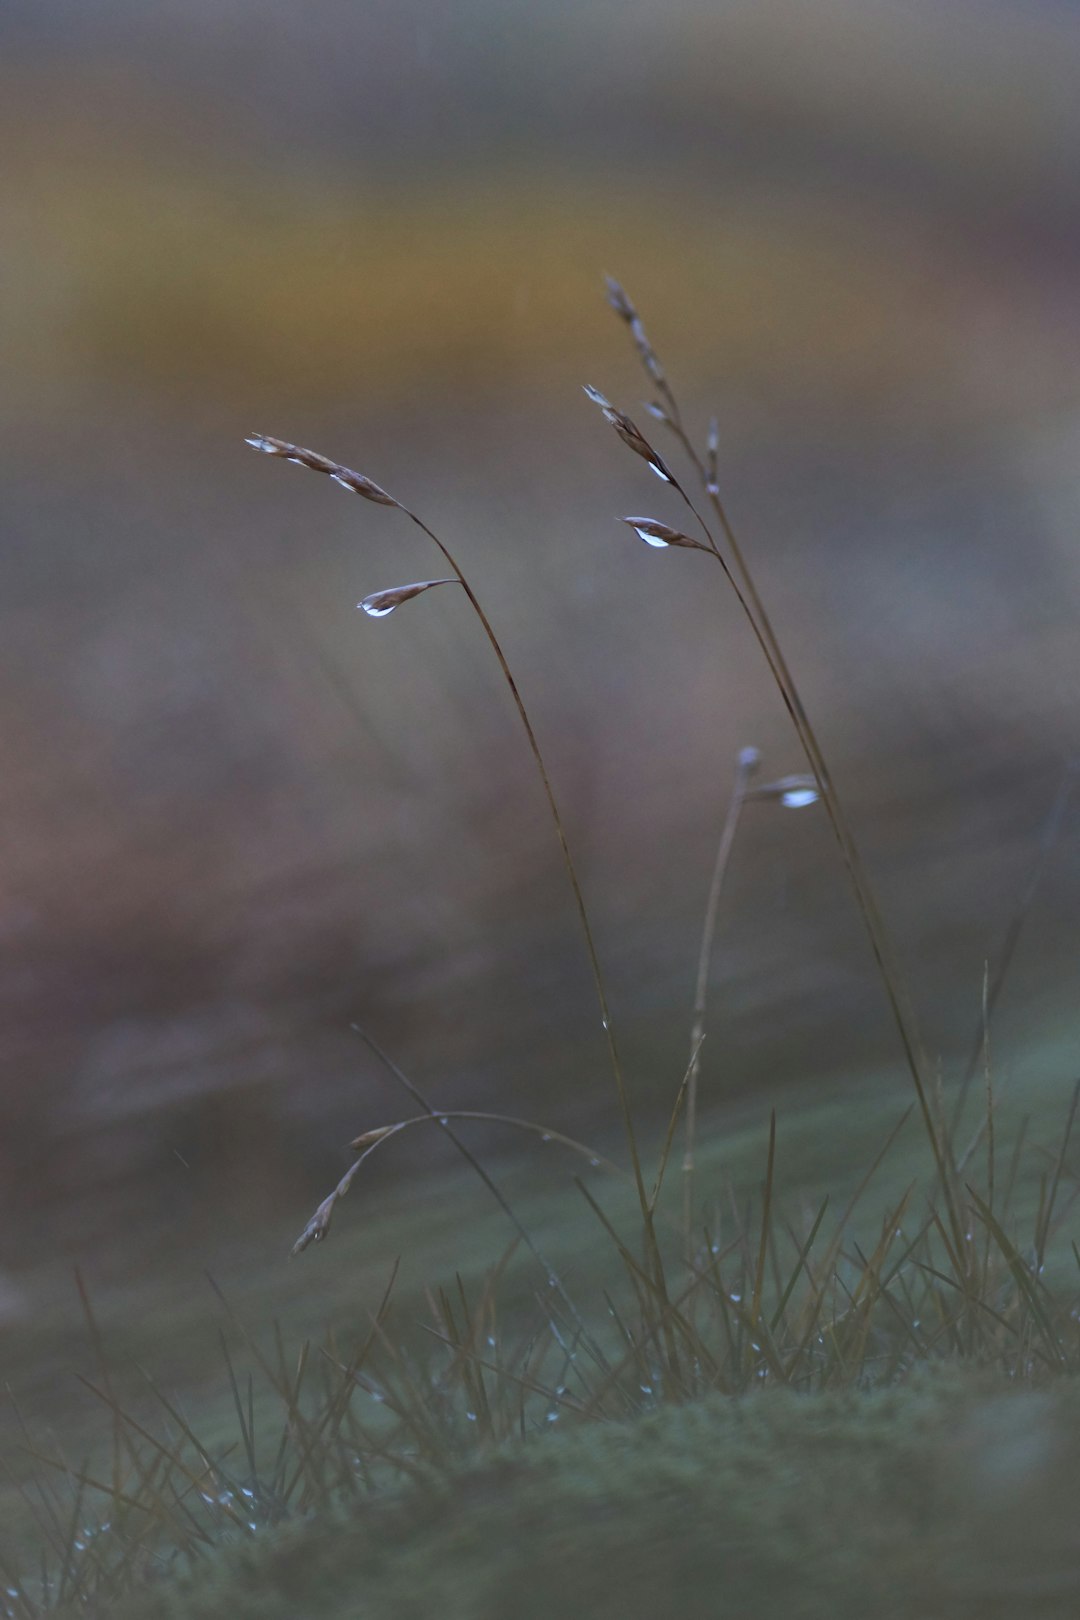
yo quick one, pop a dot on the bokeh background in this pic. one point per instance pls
(237, 816)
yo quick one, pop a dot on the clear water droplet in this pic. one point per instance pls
(545, 1136)
(344, 482)
(594, 1163)
(443, 1120)
(646, 1389)
(374, 612)
(651, 539)
(661, 474)
(736, 1299)
(553, 1417)
(471, 1416)
(799, 798)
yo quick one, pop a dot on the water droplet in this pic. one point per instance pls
(553, 1281)
(799, 798)
(491, 1341)
(594, 1163)
(604, 1025)
(471, 1416)
(651, 539)
(546, 1136)
(736, 1299)
(646, 1389)
(344, 482)
(375, 1395)
(553, 1417)
(374, 612)
(661, 474)
(443, 1120)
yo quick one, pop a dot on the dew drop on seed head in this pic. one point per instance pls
(661, 474)
(545, 1136)
(374, 612)
(799, 798)
(344, 482)
(443, 1120)
(651, 539)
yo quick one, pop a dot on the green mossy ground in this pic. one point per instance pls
(954, 1496)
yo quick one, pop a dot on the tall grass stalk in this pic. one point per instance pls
(380, 605)
(739, 575)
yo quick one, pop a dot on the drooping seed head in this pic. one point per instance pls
(661, 535)
(380, 604)
(355, 482)
(376, 1134)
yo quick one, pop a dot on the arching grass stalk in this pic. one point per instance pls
(383, 603)
(666, 411)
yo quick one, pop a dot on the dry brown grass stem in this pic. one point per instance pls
(742, 581)
(359, 484)
(745, 766)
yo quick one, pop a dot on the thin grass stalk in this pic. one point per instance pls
(370, 491)
(1048, 840)
(761, 625)
(745, 766)
(503, 1202)
(575, 884)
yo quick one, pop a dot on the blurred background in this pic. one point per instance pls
(238, 816)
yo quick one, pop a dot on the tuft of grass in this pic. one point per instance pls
(411, 1454)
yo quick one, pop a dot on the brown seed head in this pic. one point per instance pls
(382, 603)
(353, 481)
(661, 534)
(631, 435)
(369, 1138)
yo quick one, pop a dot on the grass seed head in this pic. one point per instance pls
(382, 603)
(661, 535)
(354, 482)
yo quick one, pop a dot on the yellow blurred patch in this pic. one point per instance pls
(189, 278)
